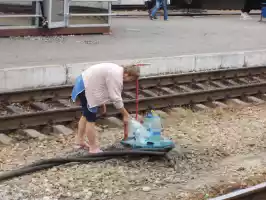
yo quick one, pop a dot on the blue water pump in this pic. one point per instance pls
(147, 136)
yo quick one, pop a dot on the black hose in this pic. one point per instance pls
(49, 163)
(109, 155)
(30, 169)
(26, 170)
(61, 161)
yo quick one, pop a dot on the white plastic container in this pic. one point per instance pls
(138, 131)
(152, 123)
(156, 128)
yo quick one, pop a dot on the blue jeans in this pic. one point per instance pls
(157, 6)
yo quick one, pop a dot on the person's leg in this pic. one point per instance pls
(153, 4)
(79, 139)
(155, 9)
(92, 139)
(165, 12)
(246, 9)
(89, 116)
(247, 6)
(146, 3)
(90, 130)
(77, 97)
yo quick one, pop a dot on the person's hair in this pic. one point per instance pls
(132, 70)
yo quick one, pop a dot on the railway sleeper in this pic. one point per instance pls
(115, 122)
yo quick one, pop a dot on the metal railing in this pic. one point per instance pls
(15, 21)
(89, 14)
(106, 17)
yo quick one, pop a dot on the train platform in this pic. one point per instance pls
(134, 38)
(183, 12)
(182, 44)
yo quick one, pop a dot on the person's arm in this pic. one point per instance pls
(103, 109)
(124, 112)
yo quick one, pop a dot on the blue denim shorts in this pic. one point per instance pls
(79, 91)
(89, 114)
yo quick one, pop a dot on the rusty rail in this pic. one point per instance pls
(157, 92)
(257, 192)
(165, 80)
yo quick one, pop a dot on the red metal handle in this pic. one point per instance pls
(125, 131)
(137, 98)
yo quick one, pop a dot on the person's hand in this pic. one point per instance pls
(103, 110)
(77, 102)
(126, 119)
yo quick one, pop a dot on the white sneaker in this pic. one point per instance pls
(245, 16)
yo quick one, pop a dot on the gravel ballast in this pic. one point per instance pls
(220, 149)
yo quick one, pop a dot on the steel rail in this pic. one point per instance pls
(257, 192)
(17, 121)
(145, 82)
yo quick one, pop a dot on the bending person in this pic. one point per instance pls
(96, 86)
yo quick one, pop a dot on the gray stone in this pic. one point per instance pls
(255, 100)
(111, 122)
(146, 189)
(61, 129)
(162, 114)
(219, 104)
(4, 139)
(88, 195)
(236, 102)
(33, 134)
(199, 107)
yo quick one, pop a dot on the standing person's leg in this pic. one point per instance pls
(246, 9)
(147, 6)
(165, 11)
(76, 91)
(90, 119)
(155, 9)
(153, 4)
(91, 135)
(80, 139)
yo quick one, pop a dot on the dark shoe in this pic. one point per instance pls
(152, 18)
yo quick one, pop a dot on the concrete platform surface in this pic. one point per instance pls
(134, 38)
(54, 75)
(183, 12)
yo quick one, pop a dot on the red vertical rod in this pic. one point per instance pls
(137, 98)
(137, 108)
(125, 131)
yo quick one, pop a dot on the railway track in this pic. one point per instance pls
(49, 106)
(257, 192)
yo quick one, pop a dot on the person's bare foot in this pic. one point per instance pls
(81, 145)
(97, 150)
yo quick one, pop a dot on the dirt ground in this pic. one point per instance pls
(221, 150)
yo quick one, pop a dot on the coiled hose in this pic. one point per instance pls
(49, 163)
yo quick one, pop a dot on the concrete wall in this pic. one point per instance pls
(51, 75)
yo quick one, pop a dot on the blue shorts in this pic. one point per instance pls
(89, 114)
(79, 91)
